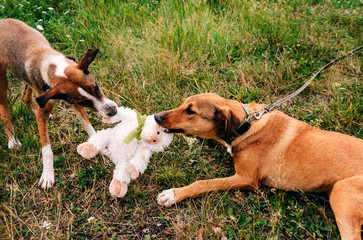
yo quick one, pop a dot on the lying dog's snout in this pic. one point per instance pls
(111, 111)
(158, 118)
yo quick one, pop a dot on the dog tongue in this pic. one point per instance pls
(106, 120)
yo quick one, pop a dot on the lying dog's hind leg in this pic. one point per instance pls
(346, 200)
(26, 97)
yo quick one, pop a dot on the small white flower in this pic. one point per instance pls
(20, 5)
(46, 224)
(40, 20)
(44, 12)
(40, 28)
(91, 219)
(39, 7)
(50, 8)
(81, 40)
(68, 36)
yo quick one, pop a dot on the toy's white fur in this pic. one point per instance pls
(137, 152)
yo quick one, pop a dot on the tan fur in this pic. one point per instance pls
(49, 75)
(278, 151)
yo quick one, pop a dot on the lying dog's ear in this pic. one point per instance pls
(53, 93)
(227, 123)
(86, 60)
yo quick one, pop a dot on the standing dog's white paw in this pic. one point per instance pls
(14, 143)
(167, 198)
(47, 179)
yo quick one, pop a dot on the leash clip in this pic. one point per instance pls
(258, 115)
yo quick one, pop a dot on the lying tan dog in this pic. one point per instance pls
(50, 75)
(277, 151)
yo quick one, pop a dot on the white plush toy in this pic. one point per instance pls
(129, 145)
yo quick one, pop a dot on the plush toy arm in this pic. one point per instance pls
(96, 143)
(141, 159)
(101, 139)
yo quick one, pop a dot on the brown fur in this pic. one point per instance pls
(27, 53)
(277, 151)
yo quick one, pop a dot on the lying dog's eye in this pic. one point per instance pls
(189, 111)
(158, 133)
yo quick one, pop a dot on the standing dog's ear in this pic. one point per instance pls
(227, 121)
(53, 93)
(86, 60)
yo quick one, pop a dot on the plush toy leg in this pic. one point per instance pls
(117, 188)
(132, 171)
(87, 150)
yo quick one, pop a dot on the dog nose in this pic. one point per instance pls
(158, 118)
(111, 111)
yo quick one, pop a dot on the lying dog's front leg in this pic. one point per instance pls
(42, 116)
(174, 195)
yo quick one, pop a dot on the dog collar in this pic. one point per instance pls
(245, 126)
(137, 132)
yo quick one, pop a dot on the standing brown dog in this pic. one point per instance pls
(50, 75)
(277, 151)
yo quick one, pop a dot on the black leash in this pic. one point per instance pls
(272, 106)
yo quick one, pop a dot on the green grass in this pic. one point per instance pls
(153, 55)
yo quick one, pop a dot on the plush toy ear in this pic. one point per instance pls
(86, 60)
(50, 94)
(228, 122)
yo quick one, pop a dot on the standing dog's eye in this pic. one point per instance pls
(158, 132)
(189, 111)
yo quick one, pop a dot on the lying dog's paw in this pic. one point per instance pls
(167, 198)
(132, 171)
(87, 150)
(117, 188)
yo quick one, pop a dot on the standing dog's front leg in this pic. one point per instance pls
(42, 116)
(174, 195)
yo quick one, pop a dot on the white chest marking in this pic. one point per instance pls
(59, 61)
(229, 148)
